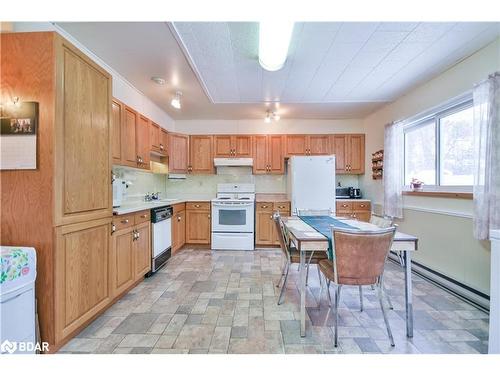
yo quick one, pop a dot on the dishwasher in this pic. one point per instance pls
(161, 219)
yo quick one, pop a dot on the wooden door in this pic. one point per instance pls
(242, 146)
(223, 146)
(179, 230)
(116, 131)
(121, 270)
(82, 144)
(201, 159)
(296, 145)
(163, 142)
(142, 142)
(260, 149)
(178, 153)
(142, 250)
(129, 152)
(81, 273)
(356, 152)
(339, 148)
(318, 144)
(264, 234)
(154, 137)
(198, 227)
(276, 156)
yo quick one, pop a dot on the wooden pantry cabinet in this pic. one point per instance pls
(198, 223)
(233, 146)
(315, 144)
(63, 208)
(349, 150)
(268, 154)
(178, 227)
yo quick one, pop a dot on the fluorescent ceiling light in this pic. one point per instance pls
(176, 100)
(274, 39)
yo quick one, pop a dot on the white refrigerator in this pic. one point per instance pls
(311, 183)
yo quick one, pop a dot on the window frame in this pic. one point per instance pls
(436, 115)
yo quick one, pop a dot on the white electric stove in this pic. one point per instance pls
(233, 217)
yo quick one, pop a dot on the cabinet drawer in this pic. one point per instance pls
(343, 206)
(142, 216)
(123, 221)
(198, 206)
(281, 206)
(361, 206)
(264, 206)
(178, 207)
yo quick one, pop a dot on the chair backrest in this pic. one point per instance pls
(359, 256)
(304, 212)
(381, 221)
(283, 238)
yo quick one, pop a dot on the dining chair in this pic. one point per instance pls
(292, 255)
(358, 259)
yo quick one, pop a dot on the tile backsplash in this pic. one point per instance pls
(205, 186)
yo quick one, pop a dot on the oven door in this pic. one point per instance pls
(234, 217)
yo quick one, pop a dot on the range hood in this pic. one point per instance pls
(233, 162)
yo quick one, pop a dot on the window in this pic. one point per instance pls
(438, 148)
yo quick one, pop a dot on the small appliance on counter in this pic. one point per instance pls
(343, 192)
(355, 193)
(119, 186)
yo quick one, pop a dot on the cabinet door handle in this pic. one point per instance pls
(264, 206)
(281, 207)
(178, 218)
(125, 221)
(161, 147)
(197, 205)
(144, 216)
(113, 228)
(209, 216)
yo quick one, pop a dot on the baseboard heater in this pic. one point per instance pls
(462, 291)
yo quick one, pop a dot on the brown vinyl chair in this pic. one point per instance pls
(292, 255)
(358, 259)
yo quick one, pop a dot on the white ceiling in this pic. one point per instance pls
(334, 70)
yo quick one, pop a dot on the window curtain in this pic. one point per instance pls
(393, 170)
(486, 97)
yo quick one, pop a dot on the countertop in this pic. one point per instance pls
(135, 206)
(352, 200)
(271, 197)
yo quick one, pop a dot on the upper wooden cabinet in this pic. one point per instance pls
(154, 137)
(349, 150)
(178, 151)
(163, 142)
(315, 144)
(128, 135)
(268, 154)
(232, 146)
(201, 158)
(116, 131)
(142, 142)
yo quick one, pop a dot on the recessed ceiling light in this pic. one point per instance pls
(158, 80)
(274, 40)
(176, 100)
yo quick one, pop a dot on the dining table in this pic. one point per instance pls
(306, 239)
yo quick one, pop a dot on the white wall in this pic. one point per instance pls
(122, 89)
(284, 126)
(443, 225)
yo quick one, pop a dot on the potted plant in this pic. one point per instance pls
(416, 184)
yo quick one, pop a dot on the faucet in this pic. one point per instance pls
(155, 196)
(148, 197)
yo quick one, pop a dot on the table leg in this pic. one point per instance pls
(408, 294)
(302, 293)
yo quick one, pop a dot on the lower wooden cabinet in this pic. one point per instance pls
(359, 210)
(178, 227)
(142, 250)
(81, 274)
(198, 223)
(265, 227)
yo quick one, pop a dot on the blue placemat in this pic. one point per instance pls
(323, 225)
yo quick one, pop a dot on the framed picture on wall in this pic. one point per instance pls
(18, 135)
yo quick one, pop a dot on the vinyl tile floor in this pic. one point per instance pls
(206, 301)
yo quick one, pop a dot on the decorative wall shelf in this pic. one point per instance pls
(378, 164)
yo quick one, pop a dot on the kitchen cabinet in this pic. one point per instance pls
(128, 135)
(142, 250)
(315, 144)
(178, 227)
(268, 154)
(198, 223)
(265, 227)
(356, 209)
(116, 131)
(284, 209)
(81, 273)
(178, 151)
(163, 142)
(142, 143)
(349, 150)
(154, 137)
(232, 146)
(201, 160)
